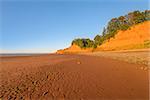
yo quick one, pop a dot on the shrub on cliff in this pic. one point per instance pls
(84, 43)
(78, 42)
(124, 22)
(98, 40)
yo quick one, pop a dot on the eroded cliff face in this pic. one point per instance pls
(74, 49)
(133, 38)
(136, 37)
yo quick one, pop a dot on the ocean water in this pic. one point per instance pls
(20, 54)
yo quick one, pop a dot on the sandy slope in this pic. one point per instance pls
(74, 49)
(72, 77)
(129, 39)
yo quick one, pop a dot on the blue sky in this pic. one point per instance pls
(48, 25)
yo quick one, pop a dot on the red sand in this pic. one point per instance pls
(72, 77)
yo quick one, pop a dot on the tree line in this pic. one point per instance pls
(113, 26)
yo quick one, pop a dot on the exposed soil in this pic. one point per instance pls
(72, 77)
(133, 38)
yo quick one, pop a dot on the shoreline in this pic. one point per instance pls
(21, 54)
(137, 56)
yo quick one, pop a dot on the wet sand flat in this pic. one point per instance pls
(141, 56)
(72, 77)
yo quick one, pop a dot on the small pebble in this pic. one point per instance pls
(78, 62)
(142, 68)
(45, 93)
(146, 68)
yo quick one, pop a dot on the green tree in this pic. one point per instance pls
(84, 43)
(78, 42)
(98, 40)
(88, 43)
(147, 14)
(104, 31)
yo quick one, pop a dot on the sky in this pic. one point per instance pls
(40, 26)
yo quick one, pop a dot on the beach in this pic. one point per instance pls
(137, 56)
(72, 77)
